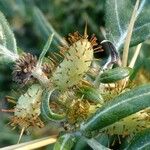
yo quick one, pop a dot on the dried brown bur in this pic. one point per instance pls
(24, 67)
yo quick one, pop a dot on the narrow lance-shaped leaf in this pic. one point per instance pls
(9, 40)
(91, 94)
(102, 139)
(45, 49)
(8, 48)
(117, 21)
(121, 107)
(113, 75)
(65, 142)
(141, 141)
(95, 145)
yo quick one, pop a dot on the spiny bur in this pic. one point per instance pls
(78, 57)
(27, 109)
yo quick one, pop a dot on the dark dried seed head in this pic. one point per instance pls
(23, 68)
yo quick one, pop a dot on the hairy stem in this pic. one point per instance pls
(131, 65)
(41, 77)
(7, 53)
(135, 56)
(129, 34)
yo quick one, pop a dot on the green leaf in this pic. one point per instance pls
(20, 7)
(122, 106)
(8, 48)
(113, 75)
(7, 7)
(118, 15)
(46, 111)
(141, 141)
(95, 145)
(45, 49)
(7, 38)
(65, 142)
(45, 27)
(90, 94)
(81, 144)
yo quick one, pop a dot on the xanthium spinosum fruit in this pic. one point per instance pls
(76, 63)
(27, 109)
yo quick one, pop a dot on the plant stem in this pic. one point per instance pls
(135, 56)
(42, 78)
(131, 65)
(32, 144)
(129, 34)
(103, 31)
(22, 131)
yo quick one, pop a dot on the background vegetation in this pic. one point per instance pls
(32, 21)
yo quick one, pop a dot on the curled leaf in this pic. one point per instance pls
(111, 51)
(46, 111)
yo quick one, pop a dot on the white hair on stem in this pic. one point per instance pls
(7, 53)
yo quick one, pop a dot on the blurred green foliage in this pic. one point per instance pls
(31, 33)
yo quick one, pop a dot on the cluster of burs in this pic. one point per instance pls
(69, 86)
